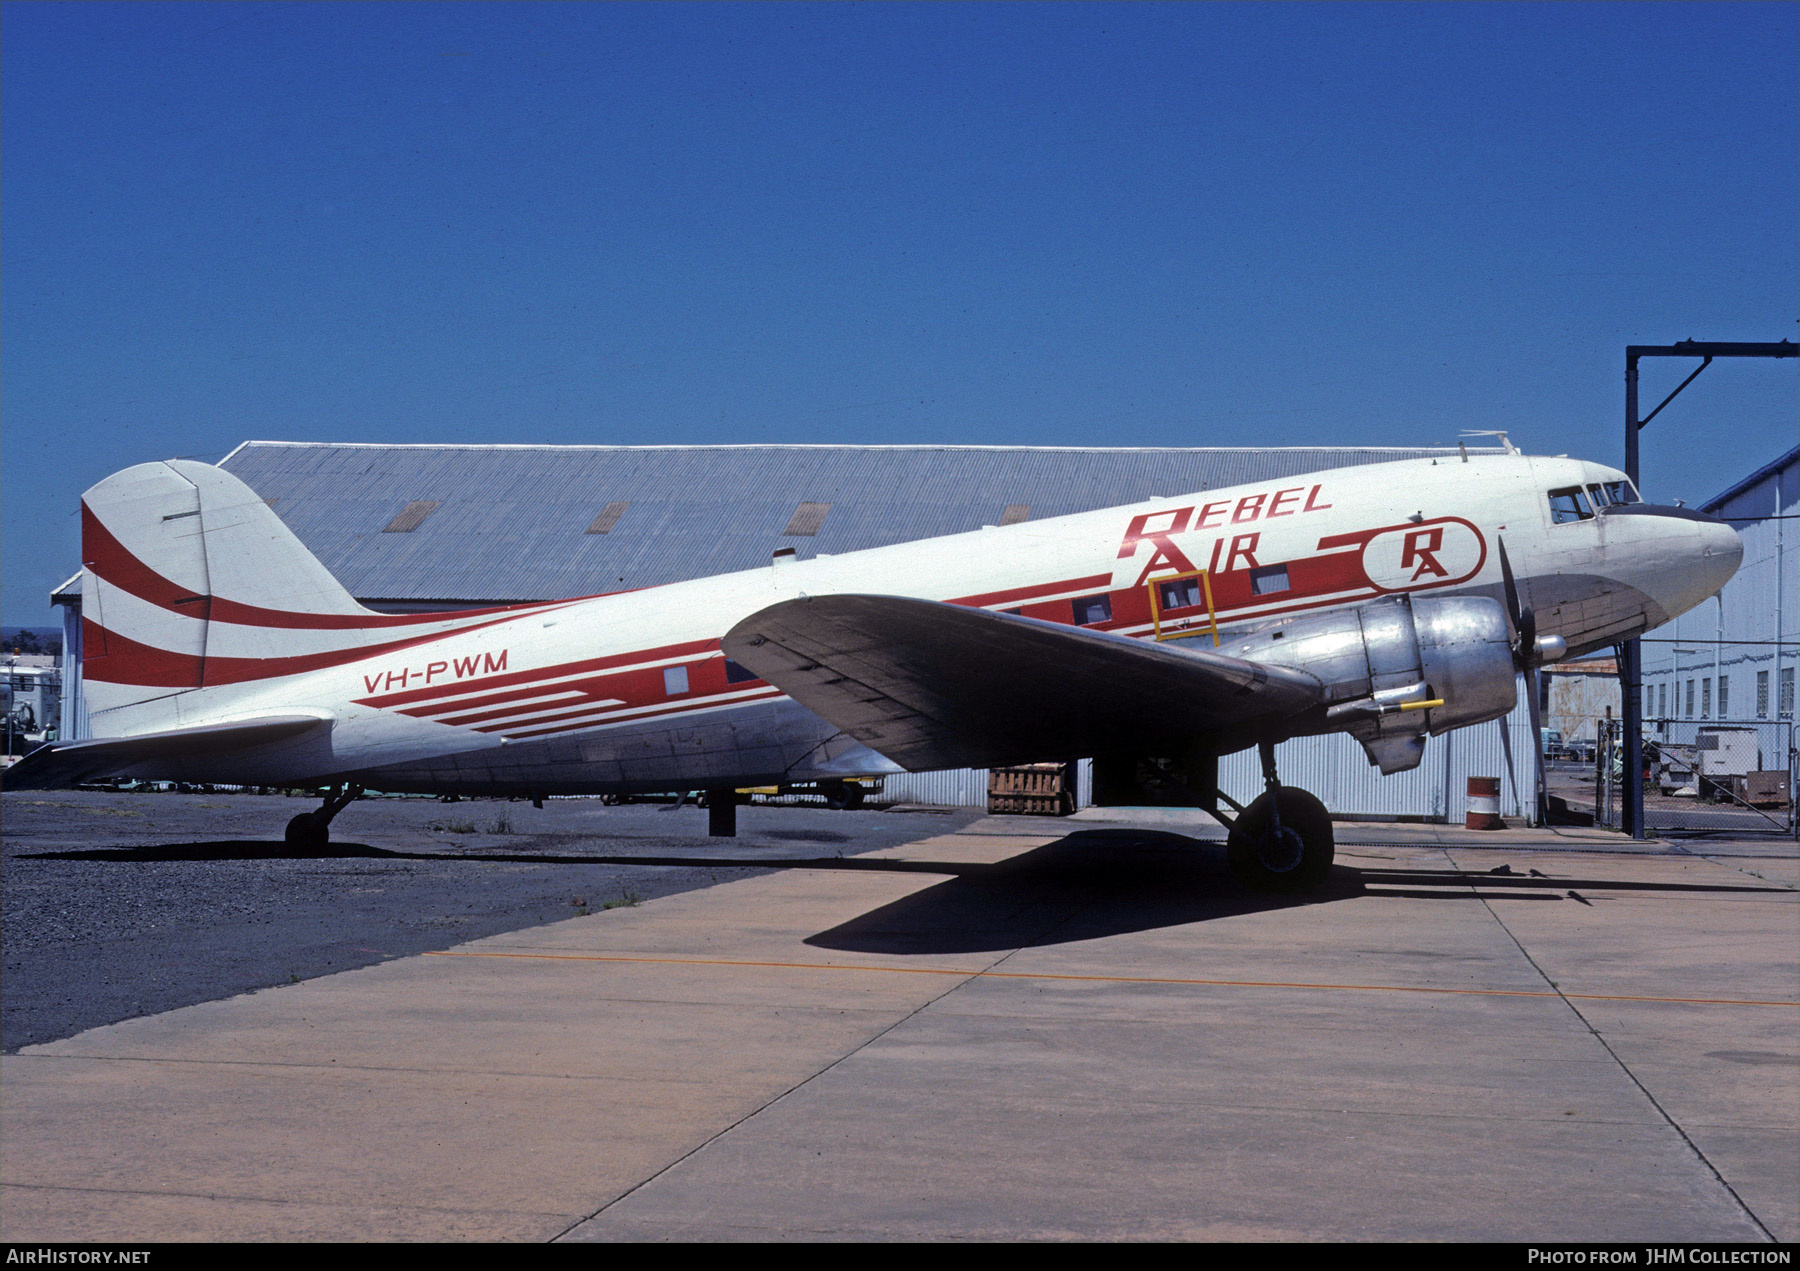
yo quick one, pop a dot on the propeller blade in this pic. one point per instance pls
(1521, 617)
(1512, 589)
(1542, 798)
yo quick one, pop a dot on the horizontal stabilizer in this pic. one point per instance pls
(933, 685)
(62, 764)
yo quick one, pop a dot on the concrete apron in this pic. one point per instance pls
(1101, 1038)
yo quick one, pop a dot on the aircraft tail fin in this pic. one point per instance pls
(191, 585)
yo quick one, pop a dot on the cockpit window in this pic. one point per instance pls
(1569, 504)
(1598, 495)
(1621, 492)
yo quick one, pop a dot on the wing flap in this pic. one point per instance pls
(62, 764)
(933, 685)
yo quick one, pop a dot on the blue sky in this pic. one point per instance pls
(1200, 224)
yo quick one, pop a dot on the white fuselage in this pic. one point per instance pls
(631, 691)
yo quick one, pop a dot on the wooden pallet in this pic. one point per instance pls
(1037, 789)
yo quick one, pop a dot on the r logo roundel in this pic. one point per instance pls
(1424, 554)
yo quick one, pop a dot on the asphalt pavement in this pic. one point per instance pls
(119, 905)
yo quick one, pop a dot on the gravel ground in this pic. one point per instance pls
(119, 905)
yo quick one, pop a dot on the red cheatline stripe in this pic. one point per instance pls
(548, 701)
(1010, 595)
(621, 715)
(111, 560)
(127, 661)
(542, 687)
(408, 696)
(978, 973)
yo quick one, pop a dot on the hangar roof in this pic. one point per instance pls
(428, 525)
(1715, 506)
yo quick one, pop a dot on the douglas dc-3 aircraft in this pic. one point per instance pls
(1391, 601)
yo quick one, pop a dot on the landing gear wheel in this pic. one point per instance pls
(840, 795)
(1295, 860)
(307, 832)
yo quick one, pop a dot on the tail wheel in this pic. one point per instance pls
(307, 832)
(1295, 860)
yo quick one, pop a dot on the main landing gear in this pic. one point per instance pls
(312, 830)
(1282, 842)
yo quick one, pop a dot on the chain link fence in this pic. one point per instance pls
(1700, 776)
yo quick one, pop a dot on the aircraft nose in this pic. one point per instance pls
(1721, 552)
(1698, 556)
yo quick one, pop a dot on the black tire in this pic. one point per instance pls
(837, 795)
(307, 833)
(853, 795)
(1302, 859)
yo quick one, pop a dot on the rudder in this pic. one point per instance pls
(171, 550)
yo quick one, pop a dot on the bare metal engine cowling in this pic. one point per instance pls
(1377, 658)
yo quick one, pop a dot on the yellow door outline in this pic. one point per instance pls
(1212, 616)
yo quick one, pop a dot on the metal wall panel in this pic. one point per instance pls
(954, 788)
(512, 520)
(1754, 624)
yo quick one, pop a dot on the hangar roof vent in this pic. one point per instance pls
(609, 517)
(1015, 512)
(412, 516)
(806, 520)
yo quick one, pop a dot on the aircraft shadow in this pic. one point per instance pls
(1098, 883)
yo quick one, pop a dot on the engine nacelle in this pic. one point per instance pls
(1379, 660)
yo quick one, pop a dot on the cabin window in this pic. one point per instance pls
(675, 680)
(735, 674)
(1179, 593)
(1569, 504)
(1092, 609)
(1268, 579)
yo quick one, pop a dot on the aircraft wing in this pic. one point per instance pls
(62, 764)
(933, 685)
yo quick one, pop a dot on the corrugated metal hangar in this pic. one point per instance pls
(438, 527)
(1742, 640)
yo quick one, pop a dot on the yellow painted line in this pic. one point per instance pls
(976, 973)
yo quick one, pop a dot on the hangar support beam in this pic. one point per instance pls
(1631, 664)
